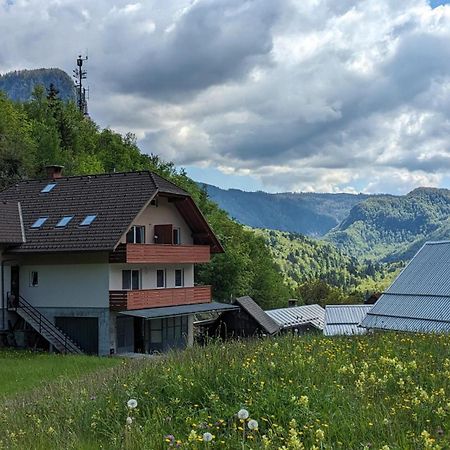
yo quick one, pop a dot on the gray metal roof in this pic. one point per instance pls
(419, 299)
(344, 319)
(258, 314)
(298, 315)
(182, 310)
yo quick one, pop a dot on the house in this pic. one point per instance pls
(345, 319)
(419, 299)
(103, 263)
(300, 318)
(248, 319)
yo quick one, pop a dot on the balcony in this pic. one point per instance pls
(160, 254)
(154, 298)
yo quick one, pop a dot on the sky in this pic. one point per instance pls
(286, 95)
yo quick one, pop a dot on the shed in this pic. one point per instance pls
(301, 318)
(345, 319)
(249, 320)
(419, 298)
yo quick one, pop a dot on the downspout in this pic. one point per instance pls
(3, 290)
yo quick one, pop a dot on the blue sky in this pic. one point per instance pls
(311, 95)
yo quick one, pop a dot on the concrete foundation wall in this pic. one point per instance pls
(102, 314)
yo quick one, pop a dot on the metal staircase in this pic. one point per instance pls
(43, 326)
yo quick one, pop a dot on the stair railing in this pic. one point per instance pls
(44, 323)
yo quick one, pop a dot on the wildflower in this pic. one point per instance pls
(243, 414)
(252, 424)
(132, 403)
(208, 437)
(129, 420)
(320, 435)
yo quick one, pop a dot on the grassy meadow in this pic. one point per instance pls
(21, 371)
(387, 391)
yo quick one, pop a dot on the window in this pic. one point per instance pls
(160, 278)
(34, 279)
(131, 279)
(64, 221)
(39, 222)
(154, 202)
(136, 235)
(179, 277)
(48, 188)
(176, 236)
(87, 220)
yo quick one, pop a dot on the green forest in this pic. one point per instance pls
(47, 130)
(319, 272)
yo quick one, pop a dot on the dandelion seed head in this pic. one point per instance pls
(208, 437)
(132, 403)
(252, 424)
(243, 414)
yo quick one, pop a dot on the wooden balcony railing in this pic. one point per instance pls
(160, 253)
(154, 298)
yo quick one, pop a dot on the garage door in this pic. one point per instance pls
(82, 330)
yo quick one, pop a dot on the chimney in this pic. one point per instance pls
(292, 302)
(54, 171)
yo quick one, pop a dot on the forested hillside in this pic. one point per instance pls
(320, 272)
(307, 213)
(46, 130)
(393, 228)
(19, 85)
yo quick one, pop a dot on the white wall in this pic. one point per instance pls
(163, 214)
(148, 274)
(66, 285)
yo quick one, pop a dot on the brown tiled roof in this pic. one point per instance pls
(116, 199)
(258, 314)
(11, 231)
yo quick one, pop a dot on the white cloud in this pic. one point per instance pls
(302, 95)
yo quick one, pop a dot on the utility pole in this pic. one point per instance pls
(79, 74)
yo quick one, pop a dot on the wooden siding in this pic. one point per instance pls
(160, 253)
(154, 298)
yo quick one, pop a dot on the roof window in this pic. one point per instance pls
(39, 222)
(87, 220)
(48, 188)
(64, 221)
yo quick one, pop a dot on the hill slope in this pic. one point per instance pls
(19, 85)
(307, 213)
(302, 259)
(392, 228)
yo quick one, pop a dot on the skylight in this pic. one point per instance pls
(87, 220)
(64, 221)
(48, 188)
(39, 222)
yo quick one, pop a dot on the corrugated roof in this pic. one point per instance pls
(11, 227)
(115, 199)
(344, 319)
(298, 315)
(419, 299)
(258, 314)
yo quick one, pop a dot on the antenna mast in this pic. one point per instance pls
(79, 74)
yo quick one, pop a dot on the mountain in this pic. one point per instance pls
(19, 85)
(393, 228)
(307, 213)
(302, 259)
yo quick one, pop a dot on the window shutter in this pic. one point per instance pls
(163, 234)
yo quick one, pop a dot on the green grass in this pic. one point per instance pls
(387, 391)
(21, 371)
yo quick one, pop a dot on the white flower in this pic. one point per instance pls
(243, 414)
(129, 420)
(132, 403)
(252, 424)
(208, 437)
